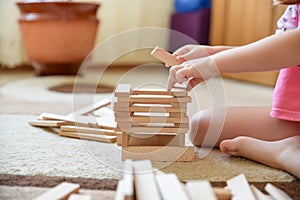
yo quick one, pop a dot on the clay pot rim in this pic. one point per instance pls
(57, 2)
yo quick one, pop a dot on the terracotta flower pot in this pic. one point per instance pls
(57, 36)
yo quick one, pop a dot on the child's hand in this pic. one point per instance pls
(190, 52)
(194, 71)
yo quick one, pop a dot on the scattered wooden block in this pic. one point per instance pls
(61, 191)
(164, 56)
(276, 193)
(87, 136)
(88, 130)
(200, 190)
(90, 108)
(222, 193)
(80, 197)
(128, 189)
(159, 153)
(47, 123)
(170, 188)
(145, 185)
(240, 188)
(260, 195)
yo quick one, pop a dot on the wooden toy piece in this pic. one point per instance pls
(164, 56)
(222, 193)
(276, 193)
(145, 185)
(88, 130)
(159, 153)
(159, 109)
(141, 119)
(200, 190)
(128, 189)
(123, 90)
(240, 188)
(90, 108)
(61, 191)
(170, 188)
(80, 197)
(119, 192)
(47, 123)
(152, 140)
(260, 195)
(87, 136)
(174, 92)
(155, 100)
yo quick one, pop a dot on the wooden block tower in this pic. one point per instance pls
(153, 124)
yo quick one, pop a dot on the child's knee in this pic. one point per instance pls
(199, 123)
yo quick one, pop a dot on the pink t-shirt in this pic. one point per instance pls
(286, 98)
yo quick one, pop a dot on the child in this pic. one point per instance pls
(270, 135)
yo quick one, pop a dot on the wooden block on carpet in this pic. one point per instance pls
(88, 130)
(79, 197)
(170, 188)
(200, 190)
(158, 153)
(61, 191)
(240, 188)
(47, 123)
(145, 185)
(87, 136)
(276, 193)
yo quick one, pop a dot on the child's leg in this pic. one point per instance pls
(283, 154)
(253, 122)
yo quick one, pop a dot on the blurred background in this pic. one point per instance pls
(214, 22)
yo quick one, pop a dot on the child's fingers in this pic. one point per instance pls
(172, 76)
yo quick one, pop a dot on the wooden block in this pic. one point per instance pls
(139, 119)
(78, 120)
(145, 185)
(260, 195)
(170, 188)
(277, 193)
(90, 108)
(174, 92)
(240, 188)
(164, 56)
(47, 123)
(154, 108)
(61, 191)
(121, 105)
(119, 192)
(87, 136)
(200, 190)
(123, 90)
(222, 193)
(157, 130)
(80, 197)
(125, 139)
(159, 153)
(153, 140)
(88, 130)
(128, 189)
(119, 139)
(155, 100)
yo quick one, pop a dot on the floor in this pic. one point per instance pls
(23, 96)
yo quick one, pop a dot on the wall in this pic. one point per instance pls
(115, 15)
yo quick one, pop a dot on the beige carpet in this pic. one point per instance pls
(27, 150)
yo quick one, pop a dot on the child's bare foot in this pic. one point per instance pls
(282, 154)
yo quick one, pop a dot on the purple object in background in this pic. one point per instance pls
(193, 24)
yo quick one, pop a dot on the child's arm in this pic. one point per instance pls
(271, 53)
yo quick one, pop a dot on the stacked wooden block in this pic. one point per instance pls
(153, 124)
(141, 181)
(84, 123)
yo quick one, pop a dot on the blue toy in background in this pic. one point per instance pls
(183, 6)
